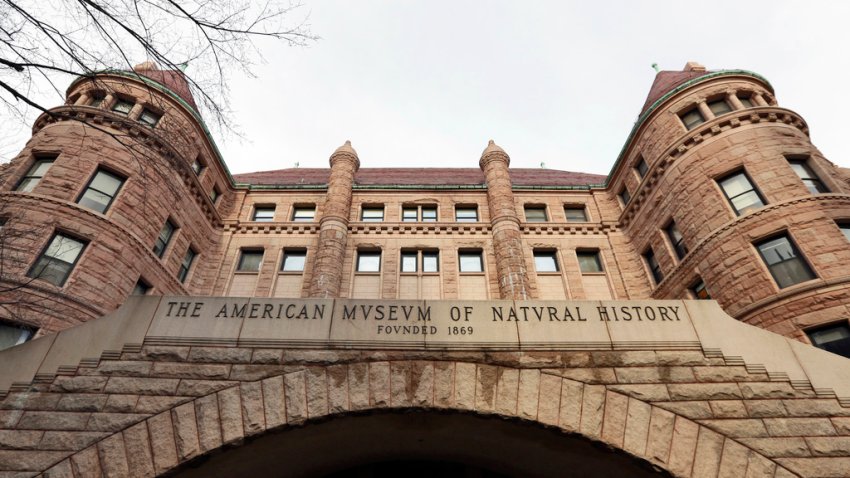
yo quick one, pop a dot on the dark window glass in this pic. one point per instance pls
(34, 175)
(368, 261)
(186, 265)
(746, 100)
(466, 214)
(784, 261)
(833, 338)
(692, 118)
(470, 261)
(699, 290)
(96, 100)
(535, 214)
(214, 194)
(57, 261)
(589, 261)
(545, 261)
(429, 213)
(14, 334)
(810, 179)
(741, 193)
(575, 213)
(677, 240)
(263, 213)
(250, 260)
(653, 265)
(293, 260)
(101, 191)
(197, 166)
(372, 214)
(430, 261)
(141, 288)
(149, 118)
(625, 196)
(719, 107)
(642, 167)
(123, 107)
(164, 238)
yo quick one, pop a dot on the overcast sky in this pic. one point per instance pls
(428, 83)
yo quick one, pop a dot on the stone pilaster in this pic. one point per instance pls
(333, 229)
(507, 237)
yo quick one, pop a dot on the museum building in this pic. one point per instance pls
(481, 321)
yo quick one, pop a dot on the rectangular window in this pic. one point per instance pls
(832, 338)
(141, 288)
(654, 267)
(741, 193)
(535, 214)
(123, 107)
(719, 107)
(250, 260)
(575, 213)
(197, 166)
(844, 226)
(429, 213)
(149, 118)
(101, 191)
(416, 260)
(419, 213)
(96, 99)
(589, 261)
(215, 194)
(470, 261)
(368, 261)
(625, 197)
(466, 214)
(164, 238)
(34, 175)
(641, 167)
(58, 260)
(12, 334)
(409, 261)
(810, 179)
(372, 214)
(410, 214)
(545, 261)
(293, 260)
(746, 100)
(692, 118)
(430, 261)
(784, 261)
(677, 240)
(186, 265)
(263, 214)
(699, 290)
(304, 213)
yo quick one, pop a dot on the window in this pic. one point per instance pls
(96, 99)
(625, 197)
(654, 268)
(101, 191)
(810, 179)
(832, 338)
(372, 214)
(34, 175)
(263, 214)
(149, 118)
(14, 334)
(575, 213)
(784, 261)
(677, 240)
(741, 193)
(746, 99)
(164, 238)
(418, 260)
(250, 260)
(368, 261)
(699, 290)
(419, 213)
(197, 166)
(535, 214)
(545, 261)
(304, 213)
(844, 226)
(293, 260)
(692, 118)
(719, 107)
(641, 167)
(186, 265)
(589, 261)
(123, 107)
(141, 287)
(2, 223)
(215, 194)
(466, 214)
(56, 262)
(470, 261)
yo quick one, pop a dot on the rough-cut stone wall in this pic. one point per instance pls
(145, 412)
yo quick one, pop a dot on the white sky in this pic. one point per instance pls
(428, 83)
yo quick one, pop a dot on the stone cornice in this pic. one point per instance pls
(437, 228)
(568, 228)
(299, 228)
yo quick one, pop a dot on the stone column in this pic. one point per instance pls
(507, 238)
(333, 227)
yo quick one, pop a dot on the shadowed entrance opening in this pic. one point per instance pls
(415, 443)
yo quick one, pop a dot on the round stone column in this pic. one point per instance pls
(333, 228)
(507, 237)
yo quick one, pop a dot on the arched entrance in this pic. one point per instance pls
(414, 443)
